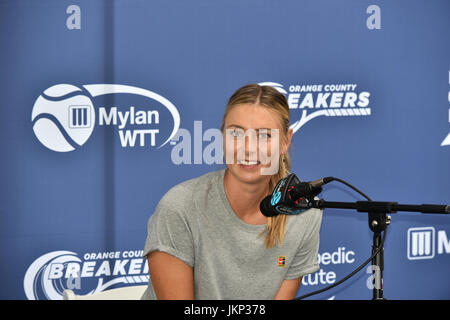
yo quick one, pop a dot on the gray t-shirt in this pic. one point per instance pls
(194, 222)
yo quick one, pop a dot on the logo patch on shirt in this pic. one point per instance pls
(282, 261)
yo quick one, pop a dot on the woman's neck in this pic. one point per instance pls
(245, 198)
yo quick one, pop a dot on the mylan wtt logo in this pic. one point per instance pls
(79, 117)
(64, 117)
(422, 243)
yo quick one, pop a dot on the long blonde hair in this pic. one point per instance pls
(270, 98)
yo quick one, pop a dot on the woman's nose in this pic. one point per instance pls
(251, 147)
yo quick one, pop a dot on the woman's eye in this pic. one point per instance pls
(264, 135)
(236, 133)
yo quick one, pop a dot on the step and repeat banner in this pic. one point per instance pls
(105, 105)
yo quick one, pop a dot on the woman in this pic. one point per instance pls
(208, 238)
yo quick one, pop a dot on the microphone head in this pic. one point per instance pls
(266, 207)
(305, 190)
(281, 201)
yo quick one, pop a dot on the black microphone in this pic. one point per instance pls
(308, 189)
(266, 208)
(291, 197)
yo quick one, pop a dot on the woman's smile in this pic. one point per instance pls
(247, 164)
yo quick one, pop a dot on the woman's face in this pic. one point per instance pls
(253, 142)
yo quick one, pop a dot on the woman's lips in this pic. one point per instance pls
(248, 164)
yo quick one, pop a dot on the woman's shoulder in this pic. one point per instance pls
(184, 194)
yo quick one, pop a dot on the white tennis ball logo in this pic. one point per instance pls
(63, 118)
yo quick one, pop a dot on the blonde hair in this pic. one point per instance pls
(270, 98)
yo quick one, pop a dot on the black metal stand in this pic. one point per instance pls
(378, 260)
(378, 222)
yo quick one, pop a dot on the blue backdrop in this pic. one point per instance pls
(94, 91)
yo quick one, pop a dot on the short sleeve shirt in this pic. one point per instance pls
(195, 223)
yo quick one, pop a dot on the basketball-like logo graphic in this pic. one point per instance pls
(44, 274)
(63, 117)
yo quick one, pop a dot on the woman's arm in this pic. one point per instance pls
(172, 279)
(288, 289)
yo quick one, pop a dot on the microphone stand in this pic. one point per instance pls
(378, 221)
